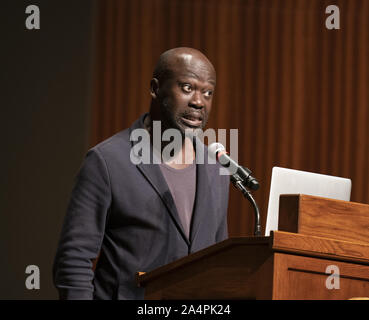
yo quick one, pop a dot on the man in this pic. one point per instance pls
(137, 217)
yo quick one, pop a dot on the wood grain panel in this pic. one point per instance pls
(304, 278)
(223, 270)
(323, 217)
(283, 266)
(320, 247)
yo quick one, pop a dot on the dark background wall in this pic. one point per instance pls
(45, 122)
(297, 93)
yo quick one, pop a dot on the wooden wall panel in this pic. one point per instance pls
(297, 92)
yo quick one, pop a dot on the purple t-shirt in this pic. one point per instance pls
(182, 185)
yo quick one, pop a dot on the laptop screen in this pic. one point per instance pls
(289, 181)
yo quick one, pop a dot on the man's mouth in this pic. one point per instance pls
(192, 120)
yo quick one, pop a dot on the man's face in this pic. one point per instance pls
(186, 96)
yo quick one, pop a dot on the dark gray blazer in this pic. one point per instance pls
(126, 212)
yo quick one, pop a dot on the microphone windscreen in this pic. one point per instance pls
(214, 148)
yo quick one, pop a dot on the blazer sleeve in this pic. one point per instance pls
(83, 229)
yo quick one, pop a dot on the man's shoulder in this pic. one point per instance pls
(117, 140)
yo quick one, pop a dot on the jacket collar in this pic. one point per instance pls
(154, 176)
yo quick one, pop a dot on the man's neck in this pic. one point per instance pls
(184, 158)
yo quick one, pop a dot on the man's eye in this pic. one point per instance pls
(186, 88)
(208, 93)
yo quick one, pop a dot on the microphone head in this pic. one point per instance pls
(214, 148)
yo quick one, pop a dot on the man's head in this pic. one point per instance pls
(182, 89)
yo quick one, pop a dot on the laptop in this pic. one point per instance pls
(289, 181)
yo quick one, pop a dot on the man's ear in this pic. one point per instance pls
(154, 88)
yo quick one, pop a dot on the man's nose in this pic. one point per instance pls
(197, 100)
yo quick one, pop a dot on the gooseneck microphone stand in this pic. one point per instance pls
(238, 183)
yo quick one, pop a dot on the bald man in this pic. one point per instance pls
(138, 216)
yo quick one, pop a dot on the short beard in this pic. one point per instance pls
(170, 121)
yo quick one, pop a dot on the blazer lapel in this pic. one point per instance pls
(202, 190)
(154, 176)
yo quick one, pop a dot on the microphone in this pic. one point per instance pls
(240, 177)
(217, 151)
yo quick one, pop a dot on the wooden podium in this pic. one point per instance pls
(321, 251)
